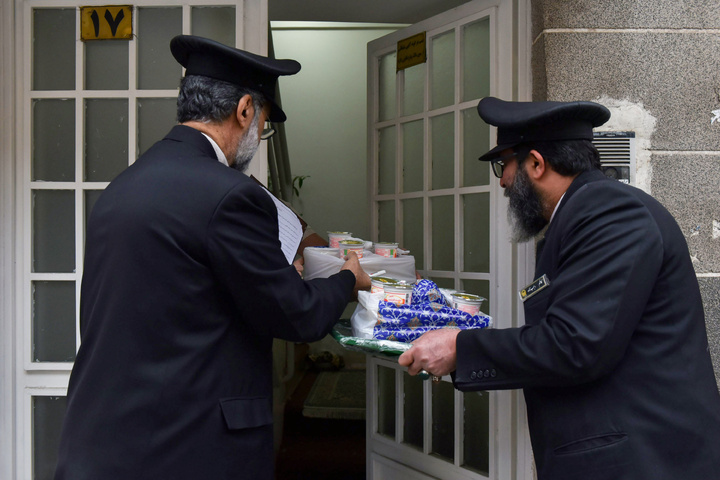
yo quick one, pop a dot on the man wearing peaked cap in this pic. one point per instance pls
(184, 288)
(613, 357)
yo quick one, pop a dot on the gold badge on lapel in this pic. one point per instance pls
(534, 287)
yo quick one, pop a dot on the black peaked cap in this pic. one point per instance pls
(202, 56)
(522, 122)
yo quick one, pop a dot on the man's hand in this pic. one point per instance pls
(433, 352)
(298, 264)
(362, 279)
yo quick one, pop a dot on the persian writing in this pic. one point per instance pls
(411, 51)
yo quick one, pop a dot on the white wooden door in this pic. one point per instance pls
(429, 192)
(84, 111)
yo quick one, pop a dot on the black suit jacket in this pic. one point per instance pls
(614, 356)
(184, 288)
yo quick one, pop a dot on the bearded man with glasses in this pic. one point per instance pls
(613, 358)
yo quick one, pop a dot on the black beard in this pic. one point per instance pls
(525, 212)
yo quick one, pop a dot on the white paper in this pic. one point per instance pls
(290, 230)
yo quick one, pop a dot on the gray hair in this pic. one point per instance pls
(206, 99)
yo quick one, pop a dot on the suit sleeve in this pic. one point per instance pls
(245, 254)
(609, 257)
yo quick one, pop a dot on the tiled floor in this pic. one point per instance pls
(316, 448)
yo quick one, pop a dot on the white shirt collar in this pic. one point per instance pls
(220, 155)
(556, 207)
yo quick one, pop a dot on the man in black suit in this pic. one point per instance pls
(613, 357)
(184, 288)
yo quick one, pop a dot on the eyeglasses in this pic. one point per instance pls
(499, 163)
(267, 132)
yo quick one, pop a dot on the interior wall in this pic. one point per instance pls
(326, 127)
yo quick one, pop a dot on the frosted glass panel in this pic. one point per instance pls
(216, 23)
(443, 417)
(478, 287)
(387, 89)
(53, 320)
(157, 69)
(413, 156)
(443, 151)
(47, 418)
(156, 116)
(476, 430)
(413, 411)
(414, 89)
(476, 60)
(53, 49)
(413, 238)
(53, 140)
(443, 70)
(443, 282)
(387, 162)
(106, 65)
(443, 226)
(53, 231)
(386, 401)
(106, 138)
(386, 221)
(476, 234)
(476, 142)
(91, 197)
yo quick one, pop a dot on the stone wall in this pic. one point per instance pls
(659, 60)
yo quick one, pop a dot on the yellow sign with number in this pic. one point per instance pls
(110, 22)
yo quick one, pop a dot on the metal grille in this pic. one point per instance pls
(617, 154)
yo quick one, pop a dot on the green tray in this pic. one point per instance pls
(342, 333)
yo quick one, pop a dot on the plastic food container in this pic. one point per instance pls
(347, 246)
(377, 284)
(398, 293)
(467, 302)
(335, 237)
(333, 252)
(389, 250)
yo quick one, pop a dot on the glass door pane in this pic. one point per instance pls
(106, 138)
(443, 70)
(443, 420)
(476, 60)
(476, 432)
(414, 89)
(107, 65)
(53, 322)
(53, 140)
(156, 27)
(47, 417)
(53, 49)
(413, 411)
(413, 164)
(216, 23)
(442, 131)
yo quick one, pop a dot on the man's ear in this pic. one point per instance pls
(245, 111)
(536, 165)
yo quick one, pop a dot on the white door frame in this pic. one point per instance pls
(7, 243)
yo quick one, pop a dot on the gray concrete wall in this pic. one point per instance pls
(656, 65)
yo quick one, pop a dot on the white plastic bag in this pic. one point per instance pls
(321, 265)
(365, 316)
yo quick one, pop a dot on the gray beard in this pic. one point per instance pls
(525, 211)
(247, 146)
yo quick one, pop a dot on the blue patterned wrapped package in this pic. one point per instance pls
(426, 291)
(405, 323)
